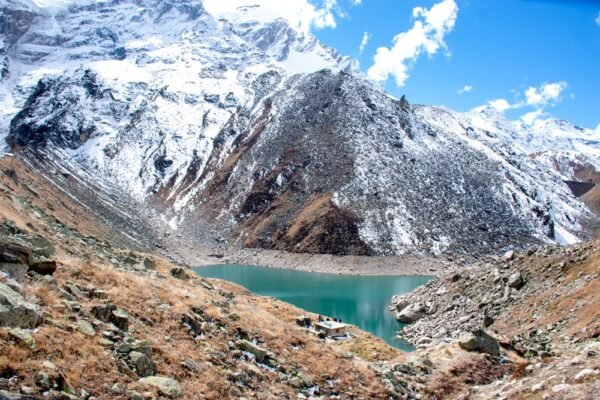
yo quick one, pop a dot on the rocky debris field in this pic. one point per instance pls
(538, 311)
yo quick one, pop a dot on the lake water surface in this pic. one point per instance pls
(359, 300)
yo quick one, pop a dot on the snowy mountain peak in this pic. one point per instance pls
(237, 124)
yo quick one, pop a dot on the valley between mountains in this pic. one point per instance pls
(142, 138)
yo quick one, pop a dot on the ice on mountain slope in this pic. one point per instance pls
(553, 141)
(160, 97)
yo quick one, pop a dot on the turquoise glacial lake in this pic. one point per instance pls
(358, 300)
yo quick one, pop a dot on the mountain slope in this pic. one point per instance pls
(248, 132)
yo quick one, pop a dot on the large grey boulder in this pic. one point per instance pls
(515, 281)
(479, 341)
(167, 386)
(260, 353)
(412, 313)
(16, 312)
(142, 363)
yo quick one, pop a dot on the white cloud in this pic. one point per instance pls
(545, 94)
(531, 117)
(598, 19)
(500, 104)
(538, 98)
(301, 14)
(465, 89)
(426, 36)
(356, 2)
(365, 40)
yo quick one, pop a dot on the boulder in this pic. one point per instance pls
(179, 273)
(296, 382)
(121, 319)
(86, 328)
(515, 281)
(479, 341)
(14, 271)
(191, 365)
(43, 267)
(13, 250)
(142, 363)
(4, 395)
(304, 321)
(260, 353)
(41, 246)
(166, 386)
(16, 312)
(538, 387)
(412, 313)
(400, 304)
(194, 322)
(133, 395)
(509, 255)
(585, 373)
(110, 313)
(149, 263)
(74, 290)
(487, 321)
(142, 346)
(43, 381)
(23, 336)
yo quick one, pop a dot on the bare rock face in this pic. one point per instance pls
(16, 312)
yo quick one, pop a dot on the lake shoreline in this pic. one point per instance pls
(341, 265)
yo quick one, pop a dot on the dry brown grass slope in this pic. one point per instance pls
(207, 363)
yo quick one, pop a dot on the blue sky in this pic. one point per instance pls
(501, 49)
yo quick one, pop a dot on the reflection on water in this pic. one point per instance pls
(358, 300)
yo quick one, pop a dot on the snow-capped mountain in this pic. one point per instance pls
(243, 129)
